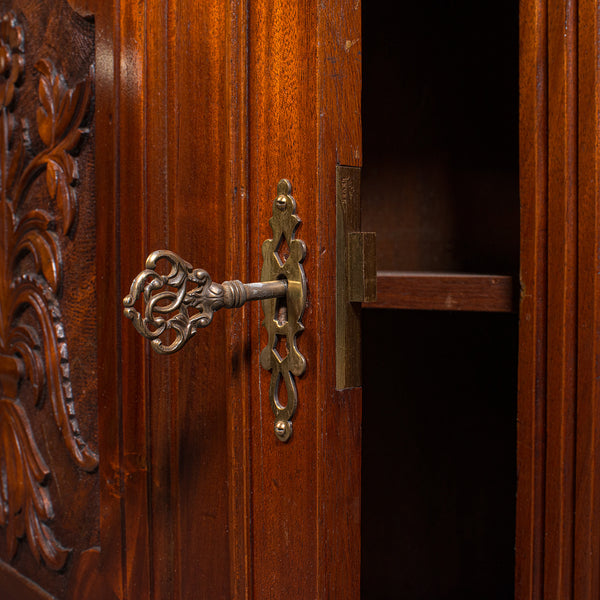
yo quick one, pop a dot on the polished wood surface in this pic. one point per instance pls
(587, 450)
(206, 497)
(15, 586)
(533, 151)
(561, 391)
(199, 108)
(557, 537)
(443, 291)
(304, 58)
(167, 420)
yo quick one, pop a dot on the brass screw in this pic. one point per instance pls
(280, 427)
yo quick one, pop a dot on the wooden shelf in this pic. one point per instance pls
(444, 291)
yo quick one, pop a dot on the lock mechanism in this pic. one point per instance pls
(184, 299)
(356, 276)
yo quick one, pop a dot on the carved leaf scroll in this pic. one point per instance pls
(25, 501)
(60, 109)
(35, 348)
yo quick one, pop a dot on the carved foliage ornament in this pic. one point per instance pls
(32, 336)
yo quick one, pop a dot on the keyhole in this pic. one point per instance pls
(281, 311)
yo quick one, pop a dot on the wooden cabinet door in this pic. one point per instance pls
(558, 539)
(133, 126)
(167, 124)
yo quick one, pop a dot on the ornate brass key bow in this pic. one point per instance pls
(206, 298)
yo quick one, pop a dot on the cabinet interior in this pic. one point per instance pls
(439, 455)
(440, 136)
(440, 189)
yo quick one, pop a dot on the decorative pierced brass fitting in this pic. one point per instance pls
(283, 319)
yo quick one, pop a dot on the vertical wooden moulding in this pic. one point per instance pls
(562, 299)
(339, 427)
(558, 531)
(131, 167)
(587, 507)
(239, 258)
(529, 543)
(162, 474)
(109, 315)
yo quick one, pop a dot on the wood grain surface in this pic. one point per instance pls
(443, 291)
(50, 495)
(304, 117)
(199, 109)
(562, 300)
(15, 586)
(166, 135)
(206, 497)
(587, 471)
(557, 501)
(533, 151)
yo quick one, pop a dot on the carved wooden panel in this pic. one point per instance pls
(48, 364)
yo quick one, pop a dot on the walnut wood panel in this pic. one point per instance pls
(201, 108)
(16, 587)
(442, 291)
(558, 540)
(172, 153)
(304, 82)
(533, 152)
(562, 299)
(587, 498)
(107, 116)
(49, 500)
(174, 97)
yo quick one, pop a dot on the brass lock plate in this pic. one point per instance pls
(283, 315)
(356, 276)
